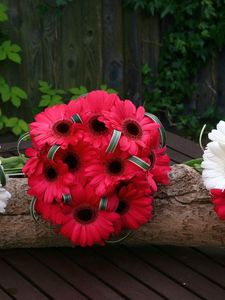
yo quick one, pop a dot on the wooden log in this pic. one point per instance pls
(183, 215)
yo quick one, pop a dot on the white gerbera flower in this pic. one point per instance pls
(218, 134)
(4, 197)
(214, 166)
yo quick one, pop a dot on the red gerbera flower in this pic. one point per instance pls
(218, 199)
(107, 170)
(136, 128)
(84, 223)
(76, 157)
(35, 162)
(75, 107)
(139, 182)
(95, 131)
(161, 168)
(134, 208)
(52, 212)
(52, 126)
(52, 183)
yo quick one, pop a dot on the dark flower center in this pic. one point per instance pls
(62, 127)
(97, 126)
(72, 161)
(122, 207)
(50, 173)
(132, 129)
(85, 215)
(115, 166)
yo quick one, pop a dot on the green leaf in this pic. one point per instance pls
(23, 125)
(10, 122)
(5, 92)
(78, 91)
(46, 97)
(111, 91)
(3, 15)
(44, 90)
(6, 96)
(19, 92)
(193, 162)
(57, 98)
(145, 69)
(2, 54)
(44, 102)
(15, 48)
(43, 84)
(6, 45)
(15, 57)
(16, 130)
(60, 92)
(103, 87)
(15, 101)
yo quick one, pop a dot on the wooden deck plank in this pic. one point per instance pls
(183, 145)
(177, 157)
(128, 262)
(12, 147)
(198, 262)
(16, 285)
(41, 276)
(198, 284)
(4, 296)
(216, 254)
(122, 282)
(77, 276)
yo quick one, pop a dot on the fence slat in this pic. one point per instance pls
(90, 43)
(113, 45)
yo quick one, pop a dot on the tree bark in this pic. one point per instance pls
(183, 215)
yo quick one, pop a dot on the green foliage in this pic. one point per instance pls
(3, 13)
(104, 87)
(193, 36)
(10, 51)
(51, 96)
(17, 126)
(77, 92)
(195, 163)
(12, 94)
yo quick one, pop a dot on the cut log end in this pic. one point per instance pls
(183, 215)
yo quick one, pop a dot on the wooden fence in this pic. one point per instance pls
(93, 42)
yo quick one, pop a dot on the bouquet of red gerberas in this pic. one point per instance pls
(94, 166)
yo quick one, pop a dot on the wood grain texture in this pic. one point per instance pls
(150, 42)
(207, 82)
(90, 43)
(183, 215)
(132, 56)
(113, 60)
(72, 40)
(221, 82)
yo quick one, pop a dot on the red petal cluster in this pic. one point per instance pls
(89, 192)
(218, 199)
